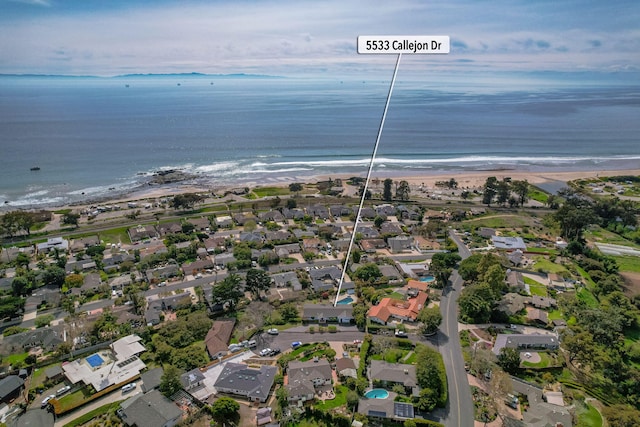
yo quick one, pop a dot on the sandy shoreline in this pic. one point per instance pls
(465, 179)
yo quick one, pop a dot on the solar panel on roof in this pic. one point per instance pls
(380, 414)
(403, 410)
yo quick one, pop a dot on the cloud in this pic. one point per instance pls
(293, 37)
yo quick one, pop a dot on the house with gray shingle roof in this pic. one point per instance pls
(150, 409)
(239, 379)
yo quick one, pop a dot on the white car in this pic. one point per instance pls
(46, 400)
(63, 390)
(265, 352)
(401, 334)
(128, 387)
(273, 331)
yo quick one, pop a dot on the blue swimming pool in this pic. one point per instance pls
(377, 393)
(347, 300)
(427, 279)
(95, 360)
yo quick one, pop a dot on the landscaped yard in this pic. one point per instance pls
(72, 400)
(588, 416)
(628, 263)
(543, 264)
(535, 287)
(38, 377)
(271, 191)
(499, 221)
(340, 399)
(545, 361)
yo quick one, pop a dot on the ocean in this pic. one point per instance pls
(96, 137)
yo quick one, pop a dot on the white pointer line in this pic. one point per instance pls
(366, 182)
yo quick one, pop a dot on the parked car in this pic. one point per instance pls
(63, 390)
(273, 331)
(252, 344)
(265, 352)
(46, 400)
(401, 334)
(357, 341)
(296, 344)
(128, 387)
(274, 351)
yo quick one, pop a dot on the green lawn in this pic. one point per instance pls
(17, 358)
(115, 235)
(538, 195)
(543, 264)
(38, 375)
(545, 361)
(271, 191)
(628, 263)
(588, 297)
(73, 400)
(589, 416)
(340, 400)
(98, 412)
(499, 221)
(536, 287)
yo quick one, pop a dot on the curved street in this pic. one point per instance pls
(459, 410)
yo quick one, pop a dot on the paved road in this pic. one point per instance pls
(459, 410)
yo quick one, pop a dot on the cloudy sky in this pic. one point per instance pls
(298, 37)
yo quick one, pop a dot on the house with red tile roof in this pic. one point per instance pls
(390, 308)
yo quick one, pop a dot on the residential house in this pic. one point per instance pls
(516, 257)
(263, 416)
(287, 279)
(91, 283)
(162, 273)
(10, 388)
(169, 228)
(387, 375)
(390, 272)
(345, 367)
(200, 224)
(222, 260)
(557, 282)
(197, 266)
(239, 379)
(215, 244)
(295, 213)
(251, 237)
(381, 409)
(224, 221)
(340, 210)
(526, 342)
(305, 378)
(515, 280)
(368, 213)
(153, 313)
(400, 244)
(150, 409)
(217, 339)
(278, 236)
(47, 338)
(372, 245)
(53, 243)
(283, 251)
(508, 243)
(408, 212)
(83, 243)
(386, 210)
(242, 218)
(324, 279)
(538, 316)
(543, 302)
(327, 313)
(312, 245)
(318, 211)
(486, 232)
(540, 413)
(151, 379)
(142, 232)
(368, 232)
(511, 303)
(303, 234)
(390, 309)
(390, 229)
(192, 380)
(272, 215)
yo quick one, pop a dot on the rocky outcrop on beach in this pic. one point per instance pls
(169, 176)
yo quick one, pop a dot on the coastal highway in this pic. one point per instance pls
(459, 410)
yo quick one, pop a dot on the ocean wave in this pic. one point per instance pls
(104, 189)
(35, 201)
(217, 167)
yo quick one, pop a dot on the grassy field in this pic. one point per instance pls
(499, 221)
(538, 195)
(628, 263)
(17, 358)
(588, 298)
(73, 400)
(115, 235)
(536, 287)
(271, 191)
(543, 264)
(544, 362)
(588, 416)
(598, 234)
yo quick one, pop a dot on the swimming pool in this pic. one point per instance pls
(427, 279)
(347, 300)
(95, 360)
(377, 393)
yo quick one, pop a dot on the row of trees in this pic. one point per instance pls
(506, 191)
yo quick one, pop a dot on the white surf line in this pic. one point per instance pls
(366, 182)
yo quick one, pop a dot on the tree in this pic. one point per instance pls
(521, 188)
(186, 200)
(295, 187)
(502, 192)
(431, 375)
(20, 286)
(403, 190)
(368, 273)
(431, 319)
(45, 320)
(70, 219)
(490, 190)
(170, 381)
(282, 395)
(228, 291)
(54, 275)
(509, 359)
(621, 415)
(387, 195)
(257, 280)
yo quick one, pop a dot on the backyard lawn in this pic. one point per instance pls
(543, 264)
(588, 416)
(340, 399)
(536, 287)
